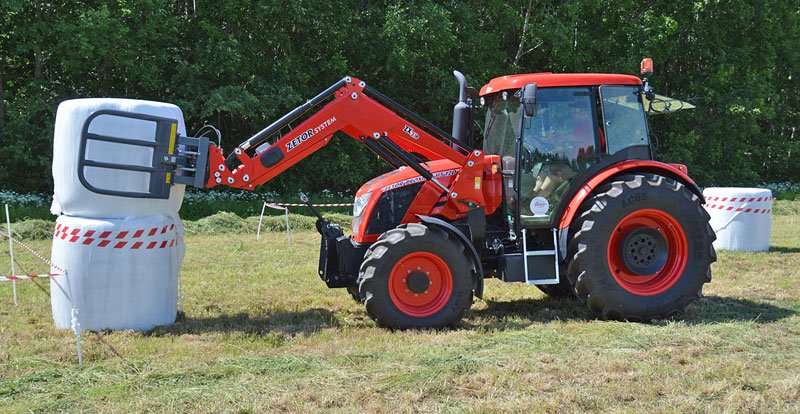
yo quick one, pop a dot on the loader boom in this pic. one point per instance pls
(363, 117)
(351, 111)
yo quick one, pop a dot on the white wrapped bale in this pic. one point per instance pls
(121, 274)
(741, 217)
(70, 196)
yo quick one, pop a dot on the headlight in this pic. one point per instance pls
(360, 204)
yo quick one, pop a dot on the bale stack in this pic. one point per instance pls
(122, 255)
(741, 217)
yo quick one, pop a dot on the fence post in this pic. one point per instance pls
(260, 218)
(288, 234)
(11, 253)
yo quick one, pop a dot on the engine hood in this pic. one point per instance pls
(443, 170)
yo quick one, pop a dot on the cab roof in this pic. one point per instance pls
(549, 79)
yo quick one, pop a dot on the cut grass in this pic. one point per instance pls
(261, 332)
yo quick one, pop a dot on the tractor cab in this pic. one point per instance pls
(575, 124)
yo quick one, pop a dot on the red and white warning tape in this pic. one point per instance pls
(738, 209)
(37, 255)
(304, 205)
(22, 277)
(741, 204)
(130, 239)
(274, 207)
(740, 199)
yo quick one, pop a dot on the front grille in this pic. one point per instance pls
(391, 208)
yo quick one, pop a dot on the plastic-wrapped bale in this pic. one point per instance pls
(70, 196)
(121, 274)
(741, 217)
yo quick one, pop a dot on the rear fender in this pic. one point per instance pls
(673, 171)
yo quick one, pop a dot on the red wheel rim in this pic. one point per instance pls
(668, 231)
(407, 277)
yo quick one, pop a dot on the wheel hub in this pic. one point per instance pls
(647, 252)
(418, 281)
(644, 251)
(420, 284)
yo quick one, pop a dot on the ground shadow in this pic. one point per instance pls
(520, 314)
(496, 316)
(783, 249)
(288, 323)
(714, 309)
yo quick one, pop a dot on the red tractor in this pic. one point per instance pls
(563, 195)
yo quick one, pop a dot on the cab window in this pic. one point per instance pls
(623, 117)
(558, 143)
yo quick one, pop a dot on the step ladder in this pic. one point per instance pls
(546, 277)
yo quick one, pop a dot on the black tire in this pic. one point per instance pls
(614, 222)
(395, 249)
(563, 289)
(353, 292)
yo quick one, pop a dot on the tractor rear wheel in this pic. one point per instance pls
(643, 249)
(563, 289)
(416, 276)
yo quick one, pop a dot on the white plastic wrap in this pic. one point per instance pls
(121, 274)
(741, 217)
(70, 196)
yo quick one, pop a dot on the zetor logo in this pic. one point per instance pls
(410, 131)
(308, 134)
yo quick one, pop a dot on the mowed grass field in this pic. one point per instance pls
(262, 333)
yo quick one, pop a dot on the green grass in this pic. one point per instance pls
(261, 332)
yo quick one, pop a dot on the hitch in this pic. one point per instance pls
(165, 157)
(339, 257)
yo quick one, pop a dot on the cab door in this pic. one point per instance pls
(556, 144)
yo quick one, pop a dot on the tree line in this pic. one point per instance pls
(241, 64)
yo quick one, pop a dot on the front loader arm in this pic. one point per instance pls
(350, 111)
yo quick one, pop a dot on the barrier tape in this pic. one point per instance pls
(305, 205)
(274, 207)
(739, 209)
(37, 255)
(22, 277)
(118, 240)
(740, 199)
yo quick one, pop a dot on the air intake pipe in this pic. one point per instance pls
(462, 112)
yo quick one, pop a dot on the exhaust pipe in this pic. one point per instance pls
(462, 112)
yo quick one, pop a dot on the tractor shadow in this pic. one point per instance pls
(717, 309)
(783, 249)
(521, 314)
(282, 323)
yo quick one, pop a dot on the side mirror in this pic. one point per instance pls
(528, 99)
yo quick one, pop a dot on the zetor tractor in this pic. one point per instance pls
(563, 195)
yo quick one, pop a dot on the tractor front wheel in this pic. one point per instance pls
(643, 249)
(416, 276)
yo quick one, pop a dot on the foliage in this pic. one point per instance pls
(35, 229)
(784, 191)
(225, 222)
(241, 64)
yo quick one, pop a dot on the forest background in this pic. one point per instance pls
(241, 64)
